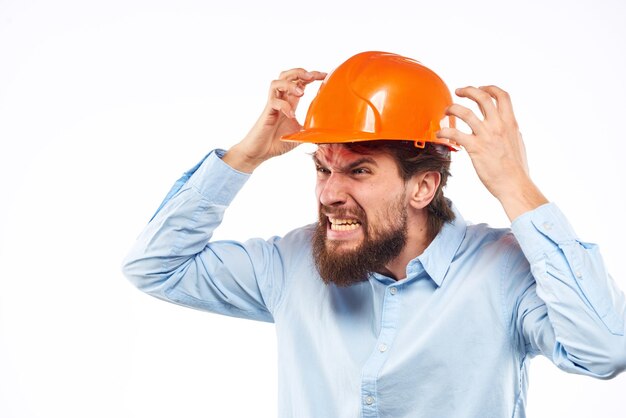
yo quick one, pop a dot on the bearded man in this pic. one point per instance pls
(391, 305)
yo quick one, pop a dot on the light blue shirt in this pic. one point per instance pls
(452, 340)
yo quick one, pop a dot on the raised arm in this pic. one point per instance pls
(570, 309)
(496, 149)
(278, 118)
(174, 258)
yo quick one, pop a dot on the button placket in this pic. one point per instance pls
(378, 357)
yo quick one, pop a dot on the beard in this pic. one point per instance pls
(380, 245)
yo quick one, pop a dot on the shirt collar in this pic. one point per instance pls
(438, 256)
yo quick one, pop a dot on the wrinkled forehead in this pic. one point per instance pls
(341, 154)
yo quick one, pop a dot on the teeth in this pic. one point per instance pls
(343, 221)
(345, 227)
(344, 224)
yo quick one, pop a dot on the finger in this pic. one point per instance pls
(457, 136)
(293, 74)
(309, 77)
(282, 106)
(314, 76)
(282, 88)
(301, 75)
(467, 116)
(503, 101)
(482, 99)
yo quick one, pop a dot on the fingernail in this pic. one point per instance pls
(299, 91)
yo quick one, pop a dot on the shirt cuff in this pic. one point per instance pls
(216, 181)
(550, 222)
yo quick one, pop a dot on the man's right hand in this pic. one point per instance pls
(278, 118)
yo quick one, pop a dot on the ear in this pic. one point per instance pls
(422, 188)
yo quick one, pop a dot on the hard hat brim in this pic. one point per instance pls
(318, 136)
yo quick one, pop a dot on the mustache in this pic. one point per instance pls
(341, 212)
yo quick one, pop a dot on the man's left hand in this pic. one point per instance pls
(496, 148)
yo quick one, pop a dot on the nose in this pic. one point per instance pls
(332, 190)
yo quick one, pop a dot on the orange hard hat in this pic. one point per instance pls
(378, 95)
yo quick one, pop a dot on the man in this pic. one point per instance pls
(391, 305)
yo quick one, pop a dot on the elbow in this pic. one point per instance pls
(616, 361)
(141, 273)
(606, 361)
(132, 272)
(614, 347)
(609, 370)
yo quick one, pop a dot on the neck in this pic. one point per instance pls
(418, 239)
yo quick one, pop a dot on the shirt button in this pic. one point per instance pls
(382, 348)
(369, 400)
(393, 290)
(579, 275)
(547, 226)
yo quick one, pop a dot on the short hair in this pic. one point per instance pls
(410, 161)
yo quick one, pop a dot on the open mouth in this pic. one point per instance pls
(343, 224)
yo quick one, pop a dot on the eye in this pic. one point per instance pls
(322, 170)
(361, 171)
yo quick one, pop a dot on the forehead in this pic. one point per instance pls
(341, 155)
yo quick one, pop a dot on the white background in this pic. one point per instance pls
(103, 104)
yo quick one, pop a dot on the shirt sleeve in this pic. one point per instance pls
(572, 311)
(173, 258)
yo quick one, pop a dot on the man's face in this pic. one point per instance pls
(362, 213)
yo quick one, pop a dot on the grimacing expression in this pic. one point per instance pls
(362, 214)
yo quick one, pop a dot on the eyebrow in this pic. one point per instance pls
(352, 165)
